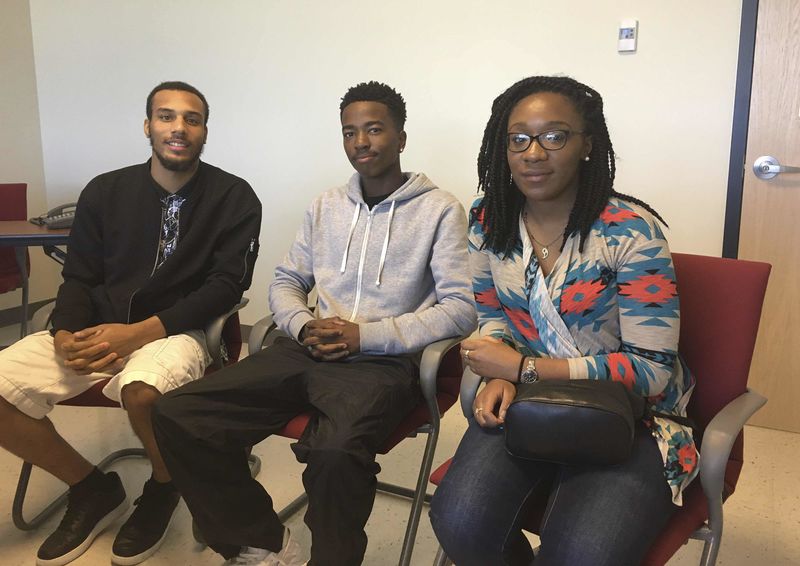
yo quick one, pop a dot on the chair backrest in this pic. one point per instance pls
(13, 206)
(720, 303)
(13, 201)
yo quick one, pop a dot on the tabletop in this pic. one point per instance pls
(24, 233)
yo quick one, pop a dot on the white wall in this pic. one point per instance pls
(20, 141)
(274, 72)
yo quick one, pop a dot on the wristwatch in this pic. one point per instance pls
(529, 373)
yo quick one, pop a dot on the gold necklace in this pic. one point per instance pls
(544, 248)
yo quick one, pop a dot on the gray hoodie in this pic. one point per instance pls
(400, 270)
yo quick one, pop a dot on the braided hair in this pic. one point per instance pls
(373, 91)
(503, 202)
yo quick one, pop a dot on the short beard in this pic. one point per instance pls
(174, 165)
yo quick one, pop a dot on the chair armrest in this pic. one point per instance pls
(718, 439)
(258, 334)
(432, 357)
(41, 318)
(470, 382)
(429, 366)
(214, 333)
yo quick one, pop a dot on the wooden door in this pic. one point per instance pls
(770, 220)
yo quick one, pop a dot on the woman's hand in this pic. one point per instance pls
(490, 357)
(492, 402)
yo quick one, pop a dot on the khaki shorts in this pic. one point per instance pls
(33, 378)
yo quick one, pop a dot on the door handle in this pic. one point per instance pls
(767, 167)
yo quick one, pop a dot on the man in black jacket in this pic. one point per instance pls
(156, 252)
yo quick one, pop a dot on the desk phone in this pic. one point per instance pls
(59, 217)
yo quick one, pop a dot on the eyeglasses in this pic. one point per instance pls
(551, 140)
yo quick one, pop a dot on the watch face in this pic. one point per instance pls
(529, 374)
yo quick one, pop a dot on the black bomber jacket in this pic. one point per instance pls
(110, 275)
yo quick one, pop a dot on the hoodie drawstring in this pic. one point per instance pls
(385, 245)
(350, 236)
(362, 258)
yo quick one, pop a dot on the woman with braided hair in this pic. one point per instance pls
(572, 280)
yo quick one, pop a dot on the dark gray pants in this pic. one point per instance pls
(204, 428)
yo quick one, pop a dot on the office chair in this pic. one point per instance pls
(14, 206)
(721, 302)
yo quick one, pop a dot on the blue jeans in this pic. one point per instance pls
(595, 515)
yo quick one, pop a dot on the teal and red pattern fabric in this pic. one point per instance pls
(618, 300)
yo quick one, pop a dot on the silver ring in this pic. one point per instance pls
(466, 355)
(478, 410)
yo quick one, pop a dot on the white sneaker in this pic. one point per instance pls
(250, 555)
(289, 555)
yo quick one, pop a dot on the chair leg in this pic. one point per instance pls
(22, 488)
(401, 491)
(293, 507)
(255, 465)
(711, 549)
(419, 497)
(713, 536)
(441, 558)
(21, 255)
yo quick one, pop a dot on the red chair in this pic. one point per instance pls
(440, 378)
(224, 343)
(14, 206)
(721, 303)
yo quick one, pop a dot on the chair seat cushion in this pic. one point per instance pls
(438, 473)
(417, 418)
(92, 397)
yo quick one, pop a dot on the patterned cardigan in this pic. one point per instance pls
(618, 300)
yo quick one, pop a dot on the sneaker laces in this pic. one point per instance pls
(76, 506)
(249, 555)
(289, 554)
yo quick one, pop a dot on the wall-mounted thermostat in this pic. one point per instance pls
(628, 34)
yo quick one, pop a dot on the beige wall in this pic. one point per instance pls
(20, 137)
(274, 72)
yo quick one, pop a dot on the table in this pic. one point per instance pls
(21, 234)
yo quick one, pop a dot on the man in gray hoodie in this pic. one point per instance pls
(387, 254)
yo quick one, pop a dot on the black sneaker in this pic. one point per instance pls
(146, 528)
(87, 515)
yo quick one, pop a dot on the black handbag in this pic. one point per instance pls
(573, 422)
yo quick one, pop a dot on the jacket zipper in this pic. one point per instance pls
(158, 244)
(250, 249)
(130, 304)
(361, 265)
(155, 266)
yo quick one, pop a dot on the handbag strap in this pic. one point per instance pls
(642, 411)
(685, 421)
